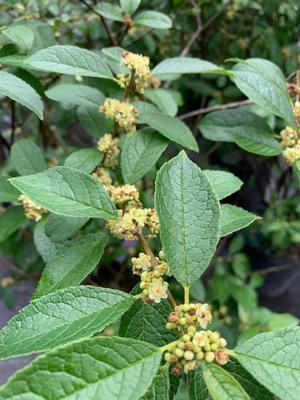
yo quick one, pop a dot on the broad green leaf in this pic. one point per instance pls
(140, 152)
(71, 263)
(262, 82)
(109, 11)
(163, 100)
(61, 317)
(224, 183)
(247, 130)
(77, 95)
(197, 387)
(282, 321)
(85, 160)
(44, 245)
(221, 384)
(130, 6)
(59, 228)
(189, 214)
(234, 218)
(159, 390)
(186, 65)
(153, 19)
(274, 360)
(7, 191)
(27, 158)
(70, 60)
(147, 322)
(94, 122)
(67, 191)
(18, 90)
(21, 35)
(113, 57)
(170, 127)
(15, 60)
(107, 368)
(10, 220)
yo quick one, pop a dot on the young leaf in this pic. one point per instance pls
(163, 100)
(159, 390)
(85, 160)
(77, 95)
(109, 11)
(197, 387)
(18, 90)
(71, 263)
(59, 228)
(247, 130)
(44, 245)
(130, 6)
(27, 157)
(140, 152)
(274, 360)
(93, 122)
(10, 221)
(21, 35)
(234, 218)
(153, 19)
(70, 60)
(99, 368)
(189, 214)
(67, 191)
(221, 384)
(224, 183)
(7, 191)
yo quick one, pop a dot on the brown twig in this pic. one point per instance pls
(271, 270)
(130, 86)
(197, 32)
(13, 122)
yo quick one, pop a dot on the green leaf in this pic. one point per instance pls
(153, 19)
(186, 65)
(77, 95)
(263, 83)
(7, 191)
(170, 127)
(27, 157)
(189, 214)
(94, 122)
(18, 90)
(247, 130)
(159, 390)
(163, 99)
(59, 228)
(67, 191)
(61, 317)
(140, 152)
(99, 368)
(71, 263)
(10, 221)
(234, 218)
(130, 6)
(109, 11)
(282, 321)
(274, 360)
(147, 322)
(85, 160)
(44, 245)
(221, 384)
(197, 387)
(21, 35)
(70, 60)
(224, 183)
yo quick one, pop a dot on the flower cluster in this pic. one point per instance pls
(151, 272)
(32, 210)
(122, 112)
(131, 222)
(103, 176)
(291, 144)
(109, 147)
(124, 195)
(296, 109)
(188, 317)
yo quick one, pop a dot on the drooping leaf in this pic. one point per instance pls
(101, 368)
(85, 160)
(153, 19)
(234, 218)
(44, 245)
(27, 157)
(59, 228)
(67, 191)
(221, 384)
(274, 360)
(140, 152)
(7, 191)
(61, 317)
(110, 11)
(224, 183)
(130, 6)
(77, 95)
(10, 220)
(94, 122)
(159, 390)
(71, 263)
(21, 35)
(163, 100)
(70, 60)
(18, 90)
(189, 214)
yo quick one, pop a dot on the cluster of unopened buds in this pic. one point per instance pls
(291, 139)
(194, 345)
(108, 146)
(125, 195)
(103, 176)
(151, 270)
(31, 209)
(122, 112)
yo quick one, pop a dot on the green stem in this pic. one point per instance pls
(168, 346)
(186, 295)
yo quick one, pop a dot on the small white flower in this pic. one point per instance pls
(158, 290)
